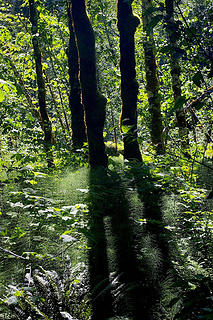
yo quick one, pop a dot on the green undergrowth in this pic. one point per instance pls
(44, 224)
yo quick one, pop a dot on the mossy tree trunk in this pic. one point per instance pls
(94, 103)
(127, 24)
(175, 72)
(152, 83)
(76, 107)
(46, 123)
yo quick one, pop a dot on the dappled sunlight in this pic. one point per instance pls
(129, 237)
(106, 194)
(72, 186)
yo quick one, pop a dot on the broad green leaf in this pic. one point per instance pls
(126, 128)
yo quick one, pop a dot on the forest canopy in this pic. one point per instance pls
(106, 159)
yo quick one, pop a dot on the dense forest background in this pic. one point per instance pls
(106, 159)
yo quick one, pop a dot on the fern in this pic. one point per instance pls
(50, 297)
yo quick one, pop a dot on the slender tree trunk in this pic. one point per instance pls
(94, 103)
(67, 138)
(46, 123)
(32, 107)
(175, 73)
(127, 24)
(152, 83)
(76, 107)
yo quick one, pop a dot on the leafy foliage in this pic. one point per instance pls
(46, 296)
(45, 216)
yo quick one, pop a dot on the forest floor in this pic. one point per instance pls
(156, 243)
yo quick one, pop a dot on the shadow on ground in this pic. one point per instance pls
(129, 251)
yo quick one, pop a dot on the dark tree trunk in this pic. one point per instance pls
(152, 83)
(76, 107)
(46, 123)
(127, 24)
(94, 103)
(175, 73)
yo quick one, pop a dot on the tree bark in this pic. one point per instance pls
(94, 103)
(152, 83)
(127, 24)
(46, 123)
(76, 107)
(175, 73)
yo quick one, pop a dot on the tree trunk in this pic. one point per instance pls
(94, 103)
(76, 107)
(152, 83)
(46, 123)
(127, 24)
(175, 73)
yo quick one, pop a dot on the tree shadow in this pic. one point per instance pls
(123, 280)
(101, 298)
(150, 195)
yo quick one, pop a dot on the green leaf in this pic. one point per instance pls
(67, 238)
(32, 182)
(126, 128)
(2, 95)
(7, 85)
(12, 300)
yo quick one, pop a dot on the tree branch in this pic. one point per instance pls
(13, 254)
